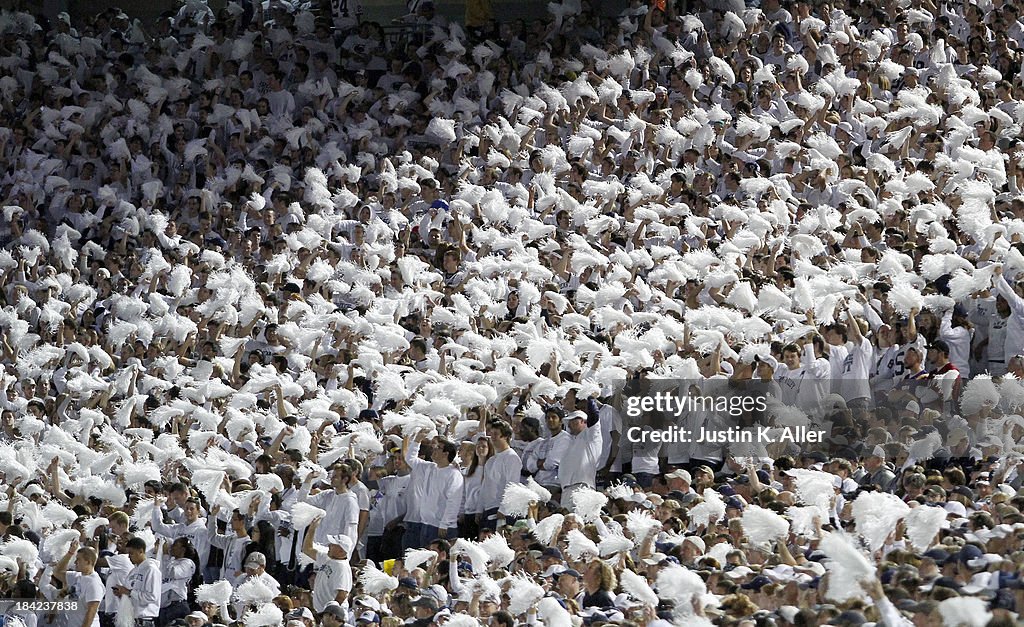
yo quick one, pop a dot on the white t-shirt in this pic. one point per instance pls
(855, 370)
(85, 589)
(331, 576)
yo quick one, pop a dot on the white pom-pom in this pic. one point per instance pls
(681, 586)
(23, 550)
(58, 542)
(125, 612)
(414, 558)
(207, 482)
(548, 528)
(543, 494)
(218, 593)
(580, 545)
(709, 511)
(904, 297)
(303, 514)
(268, 615)
(814, 487)
(523, 594)
(587, 504)
(763, 526)
(979, 392)
(876, 515)
(923, 523)
(461, 620)
(442, 129)
(552, 614)
(637, 587)
(964, 612)
(847, 567)
(614, 543)
(641, 524)
(517, 500)
(499, 554)
(477, 555)
(375, 581)
(253, 592)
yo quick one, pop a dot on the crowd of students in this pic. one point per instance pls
(308, 320)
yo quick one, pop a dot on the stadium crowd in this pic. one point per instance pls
(308, 321)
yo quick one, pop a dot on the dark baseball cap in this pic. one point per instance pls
(552, 552)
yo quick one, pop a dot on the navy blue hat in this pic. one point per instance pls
(727, 490)
(969, 552)
(763, 476)
(756, 583)
(939, 556)
(439, 204)
(572, 572)
(552, 552)
(849, 618)
(947, 582)
(408, 582)
(816, 555)
(367, 414)
(734, 503)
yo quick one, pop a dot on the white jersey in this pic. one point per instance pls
(883, 373)
(807, 385)
(853, 377)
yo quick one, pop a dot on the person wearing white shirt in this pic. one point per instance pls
(362, 494)
(444, 488)
(551, 452)
(579, 466)
(854, 383)
(341, 505)
(83, 585)
(177, 570)
(502, 468)
(256, 570)
(957, 331)
(1014, 344)
(803, 375)
(143, 585)
(193, 527)
(611, 428)
(232, 543)
(333, 573)
(389, 506)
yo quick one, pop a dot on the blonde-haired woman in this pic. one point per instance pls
(598, 585)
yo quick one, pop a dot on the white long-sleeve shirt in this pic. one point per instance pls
(389, 505)
(579, 465)
(499, 471)
(145, 583)
(175, 576)
(442, 489)
(1015, 325)
(342, 514)
(551, 451)
(197, 533)
(959, 341)
(807, 385)
(471, 485)
(233, 546)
